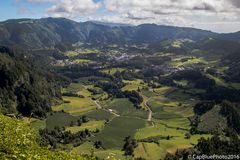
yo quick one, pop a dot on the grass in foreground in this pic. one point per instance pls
(19, 141)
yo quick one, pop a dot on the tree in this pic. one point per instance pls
(71, 124)
(79, 122)
(168, 137)
(85, 119)
(129, 146)
(98, 144)
(187, 135)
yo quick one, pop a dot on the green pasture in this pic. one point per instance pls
(71, 53)
(163, 90)
(179, 62)
(76, 106)
(113, 134)
(91, 125)
(79, 61)
(89, 149)
(124, 107)
(59, 119)
(217, 80)
(164, 129)
(133, 85)
(112, 71)
(37, 124)
(148, 151)
(78, 88)
(99, 114)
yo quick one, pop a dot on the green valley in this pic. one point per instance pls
(104, 92)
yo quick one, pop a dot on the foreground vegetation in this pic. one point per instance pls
(18, 141)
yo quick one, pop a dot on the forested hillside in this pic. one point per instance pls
(24, 88)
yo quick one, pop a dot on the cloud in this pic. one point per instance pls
(167, 6)
(168, 12)
(204, 7)
(173, 12)
(73, 8)
(69, 8)
(236, 3)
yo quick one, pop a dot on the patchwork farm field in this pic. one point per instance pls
(153, 107)
(170, 111)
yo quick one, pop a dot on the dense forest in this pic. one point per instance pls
(24, 88)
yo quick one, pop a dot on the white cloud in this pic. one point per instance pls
(69, 8)
(169, 12)
(174, 12)
(72, 8)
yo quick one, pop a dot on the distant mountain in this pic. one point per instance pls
(50, 32)
(223, 45)
(230, 36)
(111, 24)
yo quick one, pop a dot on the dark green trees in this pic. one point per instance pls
(129, 146)
(24, 88)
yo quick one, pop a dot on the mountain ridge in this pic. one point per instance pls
(50, 32)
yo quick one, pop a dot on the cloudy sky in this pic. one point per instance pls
(214, 15)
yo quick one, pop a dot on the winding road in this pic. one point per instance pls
(149, 111)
